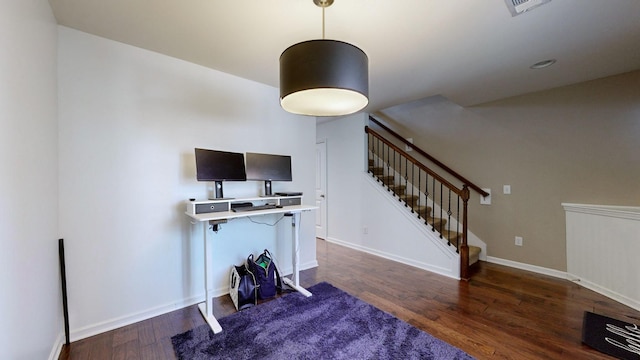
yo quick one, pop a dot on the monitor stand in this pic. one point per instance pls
(267, 188)
(218, 187)
(218, 191)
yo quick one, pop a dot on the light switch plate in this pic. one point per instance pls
(506, 189)
(408, 148)
(486, 200)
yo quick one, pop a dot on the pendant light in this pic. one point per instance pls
(324, 77)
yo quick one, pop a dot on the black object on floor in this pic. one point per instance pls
(63, 279)
(610, 336)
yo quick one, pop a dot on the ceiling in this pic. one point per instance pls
(470, 52)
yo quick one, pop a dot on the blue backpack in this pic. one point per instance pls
(267, 275)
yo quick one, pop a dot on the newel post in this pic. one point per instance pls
(464, 248)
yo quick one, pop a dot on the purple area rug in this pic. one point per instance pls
(331, 324)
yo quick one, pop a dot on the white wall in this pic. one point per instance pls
(29, 277)
(129, 121)
(345, 162)
(356, 202)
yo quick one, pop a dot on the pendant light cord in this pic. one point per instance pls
(322, 23)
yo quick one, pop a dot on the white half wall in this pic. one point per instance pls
(394, 233)
(603, 245)
(129, 122)
(32, 322)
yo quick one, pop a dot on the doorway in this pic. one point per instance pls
(321, 189)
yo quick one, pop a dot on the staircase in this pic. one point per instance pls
(440, 200)
(436, 224)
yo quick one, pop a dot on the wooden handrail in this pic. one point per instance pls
(431, 158)
(414, 161)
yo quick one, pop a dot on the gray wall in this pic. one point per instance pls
(578, 144)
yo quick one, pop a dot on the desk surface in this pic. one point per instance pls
(232, 215)
(254, 198)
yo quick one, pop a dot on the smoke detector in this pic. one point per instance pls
(517, 7)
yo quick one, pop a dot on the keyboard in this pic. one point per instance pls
(288, 194)
(254, 208)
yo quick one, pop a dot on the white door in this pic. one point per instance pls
(321, 189)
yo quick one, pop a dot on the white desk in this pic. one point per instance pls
(294, 211)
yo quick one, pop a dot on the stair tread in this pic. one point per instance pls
(376, 170)
(408, 196)
(437, 222)
(398, 189)
(411, 200)
(450, 233)
(422, 210)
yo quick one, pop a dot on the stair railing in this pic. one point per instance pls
(427, 193)
(444, 167)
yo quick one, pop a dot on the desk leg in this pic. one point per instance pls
(295, 234)
(206, 308)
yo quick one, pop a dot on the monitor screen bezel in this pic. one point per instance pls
(261, 167)
(217, 165)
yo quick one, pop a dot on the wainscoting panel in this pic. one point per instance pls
(603, 247)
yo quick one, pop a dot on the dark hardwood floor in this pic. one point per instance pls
(501, 313)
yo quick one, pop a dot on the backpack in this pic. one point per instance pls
(266, 273)
(242, 287)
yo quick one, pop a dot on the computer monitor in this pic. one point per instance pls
(219, 166)
(268, 168)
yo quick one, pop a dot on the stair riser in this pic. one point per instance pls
(474, 254)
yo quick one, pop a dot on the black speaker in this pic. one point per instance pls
(63, 276)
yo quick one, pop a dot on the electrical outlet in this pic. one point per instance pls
(365, 230)
(506, 189)
(518, 240)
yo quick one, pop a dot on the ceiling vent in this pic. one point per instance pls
(518, 7)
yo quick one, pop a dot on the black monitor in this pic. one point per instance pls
(219, 166)
(267, 168)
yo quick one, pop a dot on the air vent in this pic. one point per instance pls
(517, 7)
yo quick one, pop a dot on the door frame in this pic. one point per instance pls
(322, 210)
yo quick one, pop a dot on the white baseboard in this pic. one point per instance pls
(528, 267)
(57, 347)
(389, 256)
(518, 265)
(125, 320)
(606, 292)
(112, 324)
(289, 270)
(573, 278)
